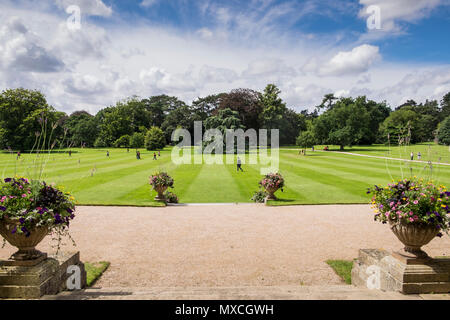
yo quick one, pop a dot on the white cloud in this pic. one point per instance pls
(269, 67)
(87, 84)
(205, 33)
(351, 62)
(22, 50)
(97, 66)
(342, 93)
(148, 3)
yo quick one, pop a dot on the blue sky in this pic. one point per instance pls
(424, 40)
(195, 48)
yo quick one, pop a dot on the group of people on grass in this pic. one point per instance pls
(419, 156)
(138, 154)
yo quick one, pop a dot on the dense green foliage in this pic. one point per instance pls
(444, 132)
(25, 115)
(155, 139)
(349, 121)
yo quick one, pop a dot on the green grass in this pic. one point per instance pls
(94, 271)
(343, 269)
(318, 178)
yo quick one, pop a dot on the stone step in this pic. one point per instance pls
(434, 287)
(343, 292)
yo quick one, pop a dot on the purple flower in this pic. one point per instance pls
(57, 218)
(25, 230)
(2, 208)
(8, 180)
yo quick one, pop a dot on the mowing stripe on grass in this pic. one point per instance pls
(213, 184)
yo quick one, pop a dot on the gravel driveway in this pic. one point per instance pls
(226, 245)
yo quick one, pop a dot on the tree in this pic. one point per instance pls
(445, 106)
(378, 112)
(122, 142)
(225, 119)
(25, 117)
(247, 103)
(182, 117)
(159, 106)
(346, 124)
(125, 118)
(292, 124)
(82, 129)
(137, 140)
(444, 132)
(401, 124)
(273, 108)
(327, 102)
(306, 139)
(203, 108)
(155, 139)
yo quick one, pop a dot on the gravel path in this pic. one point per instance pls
(222, 246)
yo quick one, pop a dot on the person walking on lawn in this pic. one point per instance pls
(239, 165)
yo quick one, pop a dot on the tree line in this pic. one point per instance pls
(25, 117)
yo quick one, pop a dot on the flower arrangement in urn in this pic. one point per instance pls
(160, 182)
(31, 209)
(417, 212)
(272, 182)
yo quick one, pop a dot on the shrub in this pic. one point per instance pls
(259, 196)
(155, 139)
(306, 139)
(171, 197)
(137, 140)
(412, 201)
(122, 142)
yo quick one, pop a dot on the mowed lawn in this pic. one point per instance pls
(317, 178)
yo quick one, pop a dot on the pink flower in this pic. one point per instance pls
(416, 202)
(411, 219)
(24, 196)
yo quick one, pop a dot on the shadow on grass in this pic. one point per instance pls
(280, 202)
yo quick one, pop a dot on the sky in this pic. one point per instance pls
(388, 50)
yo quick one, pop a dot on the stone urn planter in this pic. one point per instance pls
(160, 182)
(26, 245)
(271, 183)
(160, 190)
(413, 236)
(271, 192)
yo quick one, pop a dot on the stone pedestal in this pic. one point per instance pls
(48, 277)
(379, 269)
